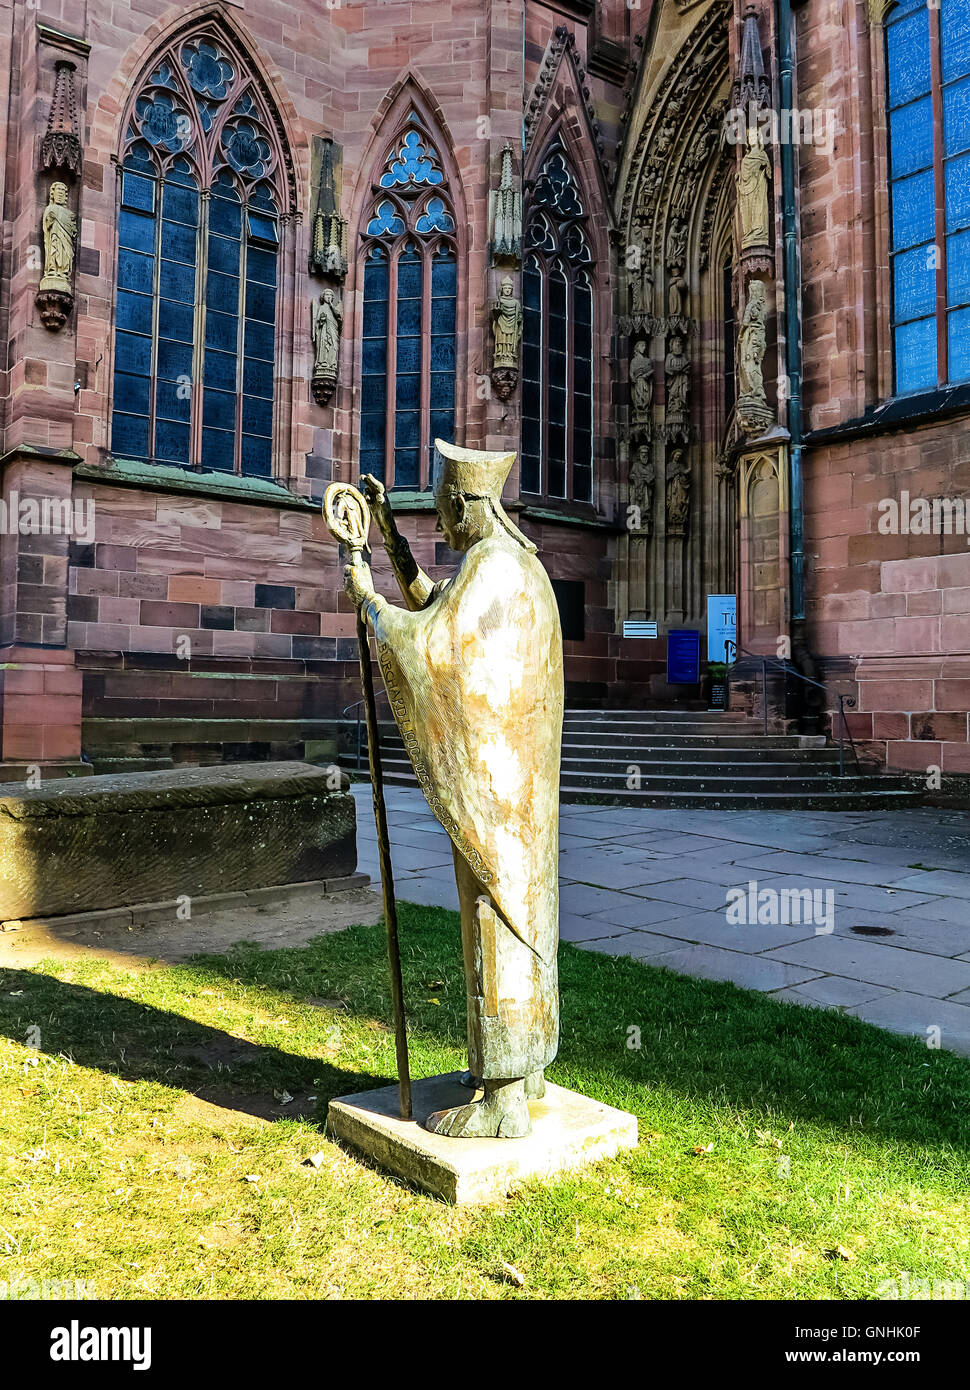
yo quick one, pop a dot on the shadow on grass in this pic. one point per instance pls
(136, 1041)
(628, 1030)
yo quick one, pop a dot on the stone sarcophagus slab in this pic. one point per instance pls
(81, 845)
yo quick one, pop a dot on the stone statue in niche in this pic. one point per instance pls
(641, 388)
(754, 414)
(678, 320)
(641, 285)
(326, 324)
(643, 478)
(473, 670)
(678, 493)
(507, 333)
(55, 297)
(677, 379)
(752, 189)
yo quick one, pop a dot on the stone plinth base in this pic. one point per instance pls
(568, 1131)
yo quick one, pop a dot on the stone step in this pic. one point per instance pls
(709, 757)
(825, 780)
(623, 743)
(613, 715)
(732, 772)
(779, 800)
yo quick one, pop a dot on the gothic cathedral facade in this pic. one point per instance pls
(703, 264)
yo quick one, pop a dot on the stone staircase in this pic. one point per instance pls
(686, 758)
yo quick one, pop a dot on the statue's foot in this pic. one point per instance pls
(474, 1083)
(502, 1114)
(535, 1085)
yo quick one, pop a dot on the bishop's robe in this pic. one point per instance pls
(475, 681)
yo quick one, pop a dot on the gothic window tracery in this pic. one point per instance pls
(928, 72)
(557, 340)
(410, 296)
(199, 236)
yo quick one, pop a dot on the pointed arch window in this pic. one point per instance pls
(199, 235)
(410, 296)
(557, 341)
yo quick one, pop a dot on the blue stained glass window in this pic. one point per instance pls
(955, 39)
(914, 211)
(136, 271)
(958, 337)
(414, 162)
(924, 235)
(178, 242)
(911, 138)
(916, 356)
(957, 186)
(956, 118)
(171, 442)
(129, 435)
(958, 269)
(173, 401)
(219, 450)
(385, 221)
(176, 321)
(908, 44)
(407, 416)
(257, 377)
(177, 281)
(914, 283)
(531, 377)
(435, 219)
(133, 354)
(197, 275)
(409, 319)
(373, 395)
(557, 339)
(137, 192)
(136, 232)
(132, 393)
(134, 312)
(220, 369)
(257, 455)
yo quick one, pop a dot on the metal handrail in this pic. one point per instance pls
(356, 705)
(844, 700)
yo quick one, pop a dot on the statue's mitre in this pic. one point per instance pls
(476, 473)
(471, 471)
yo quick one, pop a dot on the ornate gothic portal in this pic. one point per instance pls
(696, 313)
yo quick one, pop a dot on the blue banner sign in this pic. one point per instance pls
(683, 657)
(722, 624)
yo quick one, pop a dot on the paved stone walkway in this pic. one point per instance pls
(888, 907)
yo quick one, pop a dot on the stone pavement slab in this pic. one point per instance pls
(878, 964)
(832, 992)
(651, 883)
(751, 972)
(942, 1023)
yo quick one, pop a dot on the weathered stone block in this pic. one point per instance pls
(107, 842)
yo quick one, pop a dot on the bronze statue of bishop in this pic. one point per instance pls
(473, 670)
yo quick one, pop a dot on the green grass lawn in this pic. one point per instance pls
(784, 1152)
